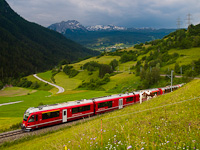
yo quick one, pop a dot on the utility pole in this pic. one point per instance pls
(171, 79)
(181, 71)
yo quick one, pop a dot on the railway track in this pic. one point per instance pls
(11, 133)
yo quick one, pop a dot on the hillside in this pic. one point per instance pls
(138, 67)
(170, 121)
(26, 47)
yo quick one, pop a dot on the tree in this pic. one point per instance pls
(177, 68)
(114, 63)
(103, 69)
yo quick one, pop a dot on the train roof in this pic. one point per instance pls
(114, 96)
(73, 103)
(56, 106)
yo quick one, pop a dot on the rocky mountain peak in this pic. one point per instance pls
(72, 25)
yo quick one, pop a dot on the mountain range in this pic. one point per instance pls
(76, 26)
(26, 47)
(99, 36)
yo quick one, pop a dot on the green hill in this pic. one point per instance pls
(26, 47)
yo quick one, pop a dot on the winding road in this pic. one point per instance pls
(60, 89)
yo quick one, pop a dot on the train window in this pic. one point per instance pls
(49, 115)
(75, 110)
(31, 119)
(26, 116)
(36, 118)
(80, 109)
(129, 99)
(105, 104)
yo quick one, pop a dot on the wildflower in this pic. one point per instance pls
(129, 147)
(142, 148)
(174, 142)
(167, 141)
(194, 147)
(114, 135)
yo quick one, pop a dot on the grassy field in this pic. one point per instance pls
(121, 81)
(67, 83)
(46, 75)
(170, 122)
(15, 91)
(101, 60)
(186, 56)
(13, 114)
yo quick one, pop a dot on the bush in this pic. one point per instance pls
(35, 85)
(70, 72)
(91, 66)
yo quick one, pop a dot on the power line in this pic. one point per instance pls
(178, 23)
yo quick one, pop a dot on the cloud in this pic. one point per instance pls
(158, 13)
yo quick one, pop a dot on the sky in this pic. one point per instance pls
(125, 13)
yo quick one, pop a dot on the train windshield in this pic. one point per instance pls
(26, 116)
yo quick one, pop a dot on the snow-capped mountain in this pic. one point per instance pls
(104, 28)
(72, 25)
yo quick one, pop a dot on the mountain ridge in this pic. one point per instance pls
(99, 37)
(76, 25)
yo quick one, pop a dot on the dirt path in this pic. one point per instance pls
(10, 103)
(60, 89)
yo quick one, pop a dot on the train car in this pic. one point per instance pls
(130, 98)
(113, 102)
(58, 113)
(108, 103)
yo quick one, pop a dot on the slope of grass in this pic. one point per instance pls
(42, 85)
(101, 60)
(170, 121)
(67, 83)
(120, 81)
(186, 56)
(15, 91)
(46, 75)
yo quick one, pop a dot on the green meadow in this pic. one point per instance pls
(11, 115)
(169, 121)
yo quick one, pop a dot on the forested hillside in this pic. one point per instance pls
(26, 47)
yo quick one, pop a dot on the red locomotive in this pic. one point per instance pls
(59, 113)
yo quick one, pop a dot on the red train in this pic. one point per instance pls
(60, 113)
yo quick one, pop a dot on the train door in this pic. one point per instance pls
(121, 103)
(64, 115)
(36, 121)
